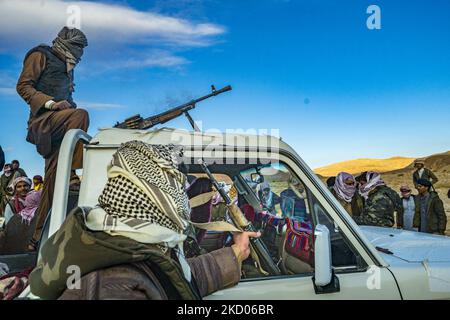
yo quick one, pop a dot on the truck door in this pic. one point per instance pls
(289, 195)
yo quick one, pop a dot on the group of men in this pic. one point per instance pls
(133, 253)
(134, 250)
(19, 198)
(370, 201)
(10, 182)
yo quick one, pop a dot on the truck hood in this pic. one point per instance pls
(409, 245)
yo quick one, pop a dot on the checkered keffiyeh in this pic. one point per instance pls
(145, 187)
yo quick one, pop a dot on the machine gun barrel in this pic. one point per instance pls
(137, 122)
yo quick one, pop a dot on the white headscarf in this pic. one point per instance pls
(344, 191)
(373, 180)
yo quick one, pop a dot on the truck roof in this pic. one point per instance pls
(102, 146)
(239, 139)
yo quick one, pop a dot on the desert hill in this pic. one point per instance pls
(434, 162)
(361, 165)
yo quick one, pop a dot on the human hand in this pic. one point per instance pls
(241, 246)
(61, 105)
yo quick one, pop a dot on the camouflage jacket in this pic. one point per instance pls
(117, 267)
(435, 216)
(379, 208)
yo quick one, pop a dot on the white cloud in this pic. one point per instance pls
(99, 105)
(119, 37)
(7, 84)
(148, 58)
(8, 91)
(6, 79)
(8, 149)
(32, 20)
(157, 58)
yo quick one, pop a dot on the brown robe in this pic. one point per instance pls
(46, 129)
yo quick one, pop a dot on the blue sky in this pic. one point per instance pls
(312, 69)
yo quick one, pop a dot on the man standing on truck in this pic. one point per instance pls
(46, 84)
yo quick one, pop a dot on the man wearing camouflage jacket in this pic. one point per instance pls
(380, 203)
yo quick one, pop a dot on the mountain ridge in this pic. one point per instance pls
(384, 165)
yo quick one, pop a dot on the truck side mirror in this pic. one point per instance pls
(324, 279)
(322, 256)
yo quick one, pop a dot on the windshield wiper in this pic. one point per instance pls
(384, 250)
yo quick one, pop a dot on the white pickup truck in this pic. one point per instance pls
(342, 261)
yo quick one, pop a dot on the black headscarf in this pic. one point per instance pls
(70, 43)
(424, 182)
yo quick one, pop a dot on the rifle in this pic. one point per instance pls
(258, 250)
(137, 122)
